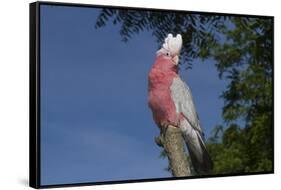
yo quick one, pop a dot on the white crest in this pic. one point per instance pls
(171, 46)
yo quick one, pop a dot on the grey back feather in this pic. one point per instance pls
(183, 100)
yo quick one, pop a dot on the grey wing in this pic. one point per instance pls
(183, 101)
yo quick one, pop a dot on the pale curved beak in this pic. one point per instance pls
(175, 59)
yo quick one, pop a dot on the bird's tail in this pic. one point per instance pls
(198, 153)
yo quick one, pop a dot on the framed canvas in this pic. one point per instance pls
(122, 94)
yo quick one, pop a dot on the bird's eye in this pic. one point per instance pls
(168, 54)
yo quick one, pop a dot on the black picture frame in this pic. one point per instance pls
(34, 98)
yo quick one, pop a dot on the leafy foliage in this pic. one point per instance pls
(196, 30)
(242, 48)
(245, 59)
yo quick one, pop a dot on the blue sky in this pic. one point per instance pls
(95, 122)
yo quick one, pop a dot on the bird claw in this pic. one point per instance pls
(164, 128)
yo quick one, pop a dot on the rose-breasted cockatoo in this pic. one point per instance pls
(171, 102)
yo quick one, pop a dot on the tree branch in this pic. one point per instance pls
(172, 141)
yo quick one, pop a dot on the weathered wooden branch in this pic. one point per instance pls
(172, 141)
